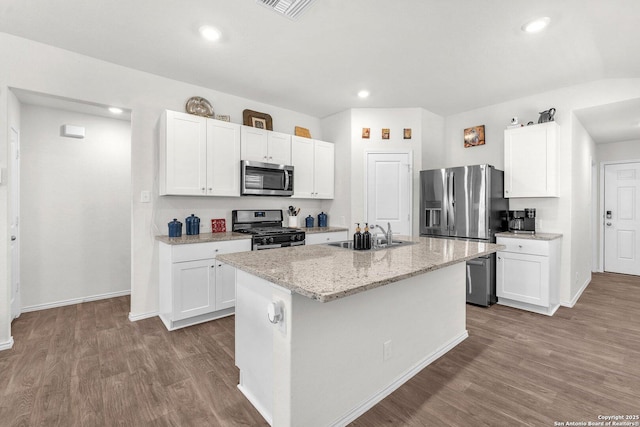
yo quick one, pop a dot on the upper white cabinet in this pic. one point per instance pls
(198, 156)
(531, 161)
(265, 146)
(314, 167)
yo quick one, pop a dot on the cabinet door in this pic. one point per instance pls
(183, 157)
(223, 158)
(303, 167)
(193, 288)
(523, 277)
(253, 144)
(324, 169)
(279, 148)
(530, 161)
(225, 286)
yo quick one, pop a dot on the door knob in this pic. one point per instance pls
(609, 224)
(13, 238)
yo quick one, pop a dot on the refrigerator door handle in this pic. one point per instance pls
(452, 197)
(469, 287)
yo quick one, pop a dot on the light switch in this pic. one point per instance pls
(145, 196)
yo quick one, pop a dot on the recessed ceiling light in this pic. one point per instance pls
(363, 94)
(210, 33)
(536, 25)
(115, 110)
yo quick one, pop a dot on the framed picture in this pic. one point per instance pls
(474, 136)
(259, 123)
(224, 118)
(407, 133)
(386, 133)
(365, 133)
(262, 120)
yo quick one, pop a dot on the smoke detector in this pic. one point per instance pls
(292, 9)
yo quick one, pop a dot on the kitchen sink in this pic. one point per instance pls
(348, 244)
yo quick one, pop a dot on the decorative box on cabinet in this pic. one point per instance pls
(194, 287)
(527, 273)
(320, 238)
(314, 168)
(265, 146)
(531, 161)
(198, 156)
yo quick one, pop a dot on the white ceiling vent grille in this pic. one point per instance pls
(292, 9)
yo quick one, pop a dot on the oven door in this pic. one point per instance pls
(265, 179)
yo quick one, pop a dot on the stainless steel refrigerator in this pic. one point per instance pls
(466, 203)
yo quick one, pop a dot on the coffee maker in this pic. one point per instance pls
(522, 221)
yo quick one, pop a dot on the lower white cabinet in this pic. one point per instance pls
(194, 287)
(320, 238)
(527, 274)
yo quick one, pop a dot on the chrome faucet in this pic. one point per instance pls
(388, 234)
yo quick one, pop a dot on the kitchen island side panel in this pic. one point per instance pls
(329, 358)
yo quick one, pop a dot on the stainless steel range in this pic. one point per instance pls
(266, 228)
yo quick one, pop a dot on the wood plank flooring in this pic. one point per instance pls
(87, 365)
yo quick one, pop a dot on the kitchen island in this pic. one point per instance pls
(345, 328)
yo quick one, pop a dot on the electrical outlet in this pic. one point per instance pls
(145, 196)
(386, 350)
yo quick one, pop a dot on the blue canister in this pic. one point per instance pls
(175, 228)
(322, 219)
(192, 225)
(308, 221)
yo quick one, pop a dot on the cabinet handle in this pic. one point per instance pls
(210, 189)
(520, 246)
(219, 265)
(202, 188)
(216, 250)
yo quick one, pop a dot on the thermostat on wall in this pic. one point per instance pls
(72, 131)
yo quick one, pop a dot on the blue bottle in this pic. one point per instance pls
(322, 219)
(175, 228)
(309, 221)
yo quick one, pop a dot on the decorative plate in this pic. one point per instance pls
(199, 106)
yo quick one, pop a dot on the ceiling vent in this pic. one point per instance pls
(292, 9)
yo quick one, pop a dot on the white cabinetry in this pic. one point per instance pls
(530, 161)
(320, 238)
(527, 274)
(194, 287)
(314, 168)
(198, 156)
(265, 146)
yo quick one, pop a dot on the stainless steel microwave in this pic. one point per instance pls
(265, 179)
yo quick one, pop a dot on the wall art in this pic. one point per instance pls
(474, 136)
(365, 133)
(407, 133)
(257, 120)
(386, 133)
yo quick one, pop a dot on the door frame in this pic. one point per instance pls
(410, 180)
(600, 222)
(15, 304)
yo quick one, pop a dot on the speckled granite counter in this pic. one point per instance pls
(326, 273)
(537, 236)
(315, 230)
(202, 238)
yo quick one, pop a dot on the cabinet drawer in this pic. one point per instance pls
(524, 246)
(196, 251)
(319, 238)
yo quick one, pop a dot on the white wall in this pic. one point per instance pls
(624, 150)
(49, 70)
(582, 155)
(337, 129)
(433, 148)
(555, 213)
(75, 207)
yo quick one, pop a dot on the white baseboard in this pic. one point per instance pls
(136, 317)
(575, 299)
(74, 301)
(376, 398)
(7, 345)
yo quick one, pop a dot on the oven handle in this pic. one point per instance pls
(286, 180)
(261, 247)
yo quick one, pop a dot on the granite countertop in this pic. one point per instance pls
(314, 230)
(536, 236)
(326, 273)
(202, 238)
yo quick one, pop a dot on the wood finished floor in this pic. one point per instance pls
(87, 365)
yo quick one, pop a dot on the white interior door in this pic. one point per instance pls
(389, 191)
(621, 219)
(15, 223)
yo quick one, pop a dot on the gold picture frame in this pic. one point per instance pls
(386, 133)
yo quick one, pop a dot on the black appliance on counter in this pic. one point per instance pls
(466, 203)
(523, 222)
(266, 229)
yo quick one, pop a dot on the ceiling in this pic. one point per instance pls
(445, 56)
